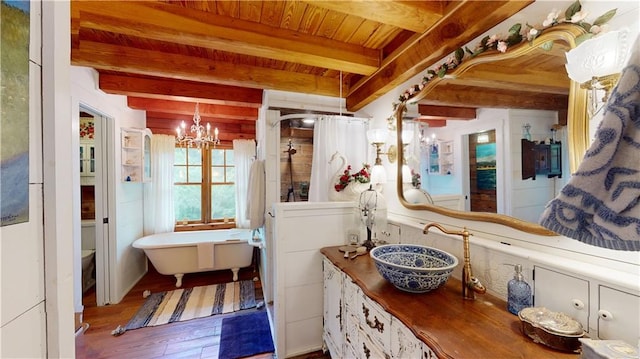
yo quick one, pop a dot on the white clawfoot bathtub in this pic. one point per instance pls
(177, 253)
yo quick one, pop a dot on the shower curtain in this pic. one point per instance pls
(159, 215)
(244, 152)
(347, 135)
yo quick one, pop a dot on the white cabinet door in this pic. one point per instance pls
(375, 322)
(87, 159)
(332, 314)
(562, 293)
(618, 315)
(404, 343)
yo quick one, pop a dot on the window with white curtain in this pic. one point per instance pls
(204, 187)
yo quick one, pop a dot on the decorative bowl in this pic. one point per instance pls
(413, 268)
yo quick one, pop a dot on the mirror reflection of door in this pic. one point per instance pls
(482, 172)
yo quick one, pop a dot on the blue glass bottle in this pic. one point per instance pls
(518, 292)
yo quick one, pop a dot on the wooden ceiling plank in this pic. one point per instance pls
(440, 41)
(179, 107)
(416, 16)
(520, 77)
(454, 95)
(173, 24)
(172, 89)
(154, 63)
(451, 112)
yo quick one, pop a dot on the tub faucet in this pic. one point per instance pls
(470, 284)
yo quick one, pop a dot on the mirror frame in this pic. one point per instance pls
(577, 125)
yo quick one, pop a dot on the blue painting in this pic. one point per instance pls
(486, 166)
(14, 120)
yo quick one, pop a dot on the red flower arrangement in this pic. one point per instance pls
(362, 176)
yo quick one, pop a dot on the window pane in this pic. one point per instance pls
(223, 201)
(230, 160)
(217, 157)
(187, 203)
(180, 156)
(195, 174)
(231, 174)
(179, 174)
(195, 157)
(217, 175)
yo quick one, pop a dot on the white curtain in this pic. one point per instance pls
(346, 135)
(159, 215)
(244, 152)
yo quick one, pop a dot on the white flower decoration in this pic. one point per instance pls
(579, 16)
(502, 46)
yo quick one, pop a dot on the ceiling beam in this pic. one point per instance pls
(431, 122)
(188, 108)
(463, 22)
(416, 16)
(465, 96)
(228, 131)
(512, 78)
(171, 23)
(108, 57)
(446, 112)
(179, 90)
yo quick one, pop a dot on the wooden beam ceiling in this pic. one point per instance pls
(449, 34)
(179, 90)
(168, 55)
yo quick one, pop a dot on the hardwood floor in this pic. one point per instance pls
(197, 338)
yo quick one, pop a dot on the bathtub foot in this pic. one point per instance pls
(179, 280)
(235, 273)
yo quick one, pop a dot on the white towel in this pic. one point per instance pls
(205, 255)
(255, 197)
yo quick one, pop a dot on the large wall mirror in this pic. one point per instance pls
(530, 75)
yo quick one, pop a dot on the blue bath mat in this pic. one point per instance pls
(245, 335)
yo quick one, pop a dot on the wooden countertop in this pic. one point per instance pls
(452, 326)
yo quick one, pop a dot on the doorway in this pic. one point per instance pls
(94, 203)
(482, 172)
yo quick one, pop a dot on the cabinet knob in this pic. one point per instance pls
(605, 314)
(577, 304)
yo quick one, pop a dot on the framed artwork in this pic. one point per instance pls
(486, 166)
(14, 120)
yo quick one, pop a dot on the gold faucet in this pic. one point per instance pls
(470, 284)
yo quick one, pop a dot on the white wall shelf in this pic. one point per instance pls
(136, 155)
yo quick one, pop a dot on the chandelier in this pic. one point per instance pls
(200, 137)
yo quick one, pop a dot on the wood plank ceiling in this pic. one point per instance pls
(167, 55)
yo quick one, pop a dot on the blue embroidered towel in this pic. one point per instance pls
(600, 205)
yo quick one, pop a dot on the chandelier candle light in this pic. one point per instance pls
(200, 138)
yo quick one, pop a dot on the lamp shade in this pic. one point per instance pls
(599, 56)
(378, 174)
(407, 136)
(377, 135)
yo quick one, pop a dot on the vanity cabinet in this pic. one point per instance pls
(613, 313)
(333, 311)
(136, 155)
(563, 293)
(618, 315)
(355, 326)
(540, 159)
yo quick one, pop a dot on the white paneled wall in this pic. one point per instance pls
(22, 312)
(300, 230)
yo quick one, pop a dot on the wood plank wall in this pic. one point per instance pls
(302, 140)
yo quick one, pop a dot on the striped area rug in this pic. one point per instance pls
(184, 304)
